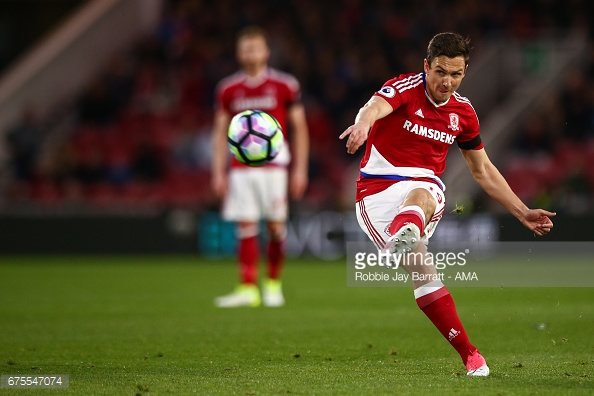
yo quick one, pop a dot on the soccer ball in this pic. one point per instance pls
(255, 137)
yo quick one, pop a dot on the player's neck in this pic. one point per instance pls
(256, 72)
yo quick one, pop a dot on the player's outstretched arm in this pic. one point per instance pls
(494, 184)
(372, 111)
(219, 153)
(300, 141)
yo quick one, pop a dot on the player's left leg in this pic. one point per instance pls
(273, 195)
(434, 299)
(416, 220)
(272, 294)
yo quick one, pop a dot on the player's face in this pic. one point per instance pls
(252, 53)
(444, 76)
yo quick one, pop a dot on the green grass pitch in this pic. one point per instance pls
(147, 325)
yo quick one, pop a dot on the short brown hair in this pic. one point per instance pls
(252, 31)
(449, 44)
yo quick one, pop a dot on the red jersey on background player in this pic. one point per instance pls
(251, 194)
(409, 125)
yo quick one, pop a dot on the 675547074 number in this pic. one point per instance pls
(35, 381)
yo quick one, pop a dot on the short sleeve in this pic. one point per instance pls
(398, 90)
(221, 98)
(293, 90)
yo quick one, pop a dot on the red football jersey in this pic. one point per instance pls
(274, 93)
(412, 142)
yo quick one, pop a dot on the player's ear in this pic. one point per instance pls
(426, 66)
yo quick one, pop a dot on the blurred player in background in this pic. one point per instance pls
(251, 194)
(409, 125)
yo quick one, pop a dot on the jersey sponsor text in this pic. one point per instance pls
(255, 102)
(429, 133)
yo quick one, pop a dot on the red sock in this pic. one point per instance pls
(408, 214)
(276, 258)
(437, 303)
(249, 254)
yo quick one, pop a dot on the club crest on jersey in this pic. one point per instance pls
(387, 91)
(454, 122)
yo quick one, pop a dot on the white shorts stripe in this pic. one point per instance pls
(438, 215)
(375, 235)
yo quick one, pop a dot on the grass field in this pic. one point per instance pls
(146, 325)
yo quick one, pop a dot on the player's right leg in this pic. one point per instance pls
(409, 214)
(241, 206)
(246, 294)
(272, 292)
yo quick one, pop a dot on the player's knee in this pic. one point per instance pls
(423, 199)
(430, 204)
(277, 231)
(247, 230)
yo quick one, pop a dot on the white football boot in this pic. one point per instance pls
(272, 293)
(243, 296)
(405, 240)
